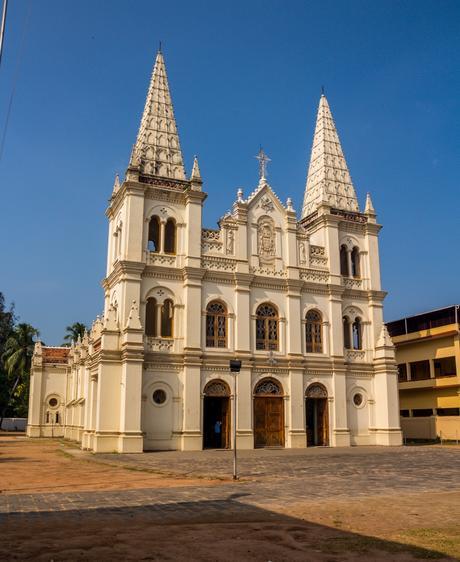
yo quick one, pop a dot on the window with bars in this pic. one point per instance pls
(216, 325)
(267, 327)
(313, 332)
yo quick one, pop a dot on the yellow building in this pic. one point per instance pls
(428, 357)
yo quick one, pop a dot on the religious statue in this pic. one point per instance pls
(266, 241)
(303, 257)
(230, 242)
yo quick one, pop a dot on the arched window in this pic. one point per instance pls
(357, 334)
(170, 236)
(346, 332)
(154, 234)
(216, 325)
(151, 317)
(313, 332)
(268, 387)
(267, 327)
(344, 261)
(167, 313)
(355, 269)
(57, 417)
(47, 417)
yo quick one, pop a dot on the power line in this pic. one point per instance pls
(16, 75)
(2, 27)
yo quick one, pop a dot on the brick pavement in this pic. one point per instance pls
(269, 478)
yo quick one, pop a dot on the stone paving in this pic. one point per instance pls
(279, 478)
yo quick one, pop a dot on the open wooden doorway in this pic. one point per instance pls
(268, 414)
(216, 415)
(317, 415)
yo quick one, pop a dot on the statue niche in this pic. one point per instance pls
(266, 241)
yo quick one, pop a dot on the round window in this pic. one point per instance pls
(159, 396)
(53, 402)
(358, 399)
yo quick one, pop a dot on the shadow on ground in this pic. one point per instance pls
(220, 530)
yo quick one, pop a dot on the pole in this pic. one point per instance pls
(235, 470)
(2, 27)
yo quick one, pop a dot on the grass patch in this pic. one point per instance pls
(445, 540)
(363, 545)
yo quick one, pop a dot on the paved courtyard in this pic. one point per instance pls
(287, 505)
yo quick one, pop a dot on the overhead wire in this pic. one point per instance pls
(16, 76)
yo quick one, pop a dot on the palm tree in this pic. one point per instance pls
(73, 331)
(17, 357)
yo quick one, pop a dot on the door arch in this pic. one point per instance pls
(268, 414)
(317, 415)
(216, 415)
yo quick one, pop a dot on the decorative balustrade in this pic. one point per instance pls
(355, 355)
(318, 256)
(268, 272)
(161, 259)
(314, 275)
(352, 283)
(160, 344)
(217, 263)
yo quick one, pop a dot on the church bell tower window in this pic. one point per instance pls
(154, 235)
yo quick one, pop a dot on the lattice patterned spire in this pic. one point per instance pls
(157, 149)
(328, 179)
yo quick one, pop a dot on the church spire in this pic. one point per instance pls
(328, 179)
(157, 149)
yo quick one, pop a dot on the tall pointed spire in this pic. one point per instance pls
(157, 149)
(328, 179)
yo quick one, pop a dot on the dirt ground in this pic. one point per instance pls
(380, 528)
(29, 466)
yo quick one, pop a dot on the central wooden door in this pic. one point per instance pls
(317, 422)
(268, 421)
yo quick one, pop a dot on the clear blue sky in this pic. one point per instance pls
(242, 73)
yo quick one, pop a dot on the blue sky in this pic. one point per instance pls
(242, 73)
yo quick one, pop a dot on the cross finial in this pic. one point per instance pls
(263, 161)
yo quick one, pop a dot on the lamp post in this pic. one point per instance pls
(235, 367)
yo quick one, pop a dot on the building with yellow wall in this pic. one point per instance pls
(428, 358)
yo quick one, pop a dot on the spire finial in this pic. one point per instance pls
(322, 90)
(157, 149)
(159, 47)
(328, 179)
(263, 161)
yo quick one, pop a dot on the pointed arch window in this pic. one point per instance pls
(151, 317)
(267, 327)
(357, 332)
(170, 236)
(154, 234)
(313, 332)
(216, 325)
(355, 265)
(346, 332)
(167, 317)
(344, 270)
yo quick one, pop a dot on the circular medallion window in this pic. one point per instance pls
(53, 402)
(159, 397)
(358, 399)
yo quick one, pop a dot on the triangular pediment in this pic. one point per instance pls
(264, 198)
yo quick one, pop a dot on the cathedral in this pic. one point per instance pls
(297, 300)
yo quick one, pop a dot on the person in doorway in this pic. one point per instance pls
(218, 434)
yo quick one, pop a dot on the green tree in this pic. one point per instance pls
(16, 358)
(7, 319)
(73, 331)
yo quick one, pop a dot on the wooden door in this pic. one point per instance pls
(225, 423)
(323, 419)
(268, 421)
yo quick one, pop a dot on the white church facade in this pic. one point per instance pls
(297, 300)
